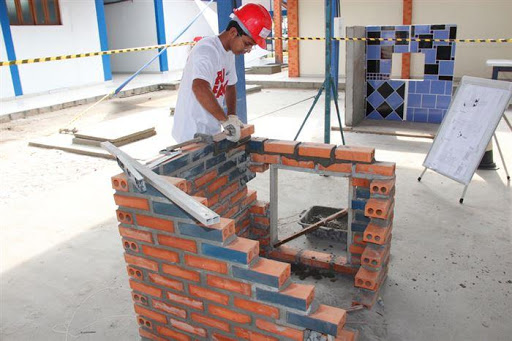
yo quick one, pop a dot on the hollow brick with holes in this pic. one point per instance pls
(124, 217)
(138, 298)
(130, 245)
(378, 208)
(120, 182)
(377, 234)
(134, 272)
(382, 187)
(374, 256)
(144, 322)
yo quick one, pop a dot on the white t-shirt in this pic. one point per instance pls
(209, 61)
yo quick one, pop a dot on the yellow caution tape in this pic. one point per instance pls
(147, 48)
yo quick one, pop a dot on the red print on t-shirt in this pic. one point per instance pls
(219, 89)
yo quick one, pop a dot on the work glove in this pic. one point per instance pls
(232, 126)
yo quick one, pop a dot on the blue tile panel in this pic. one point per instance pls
(276, 297)
(427, 100)
(313, 324)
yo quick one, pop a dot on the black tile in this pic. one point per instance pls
(438, 27)
(431, 69)
(401, 91)
(453, 32)
(444, 53)
(385, 90)
(413, 29)
(402, 35)
(369, 108)
(369, 89)
(425, 44)
(384, 109)
(387, 28)
(373, 35)
(445, 78)
(400, 111)
(386, 52)
(373, 66)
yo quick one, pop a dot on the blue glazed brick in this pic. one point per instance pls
(414, 100)
(446, 67)
(313, 324)
(423, 87)
(224, 253)
(170, 210)
(228, 165)
(242, 158)
(428, 101)
(437, 87)
(197, 231)
(358, 204)
(215, 160)
(175, 164)
(443, 102)
(254, 276)
(359, 216)
(199, 169)
(236, 173)
(358, 226)
(285, 300)
(256, 145)
(198, 154)
(363, 192)
(150, 190)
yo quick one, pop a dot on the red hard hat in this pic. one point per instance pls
(255, 20)
(196, 39)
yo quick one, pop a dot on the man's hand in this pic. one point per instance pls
(232, 126)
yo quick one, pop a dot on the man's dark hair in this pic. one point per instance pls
(239, 30)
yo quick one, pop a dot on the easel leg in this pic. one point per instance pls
(422, 173)
(335, 95)
(507, 121)
(501, 156)
(461, 200)
(310, 110)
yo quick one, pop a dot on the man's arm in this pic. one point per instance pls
(206, 98)
(231, 99)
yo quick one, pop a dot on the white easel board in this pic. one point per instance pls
(468, 127)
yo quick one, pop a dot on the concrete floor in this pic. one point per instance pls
(63, 276)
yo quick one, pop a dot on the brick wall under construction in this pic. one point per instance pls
(196, 282)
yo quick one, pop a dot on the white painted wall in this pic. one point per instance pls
(6, 87)
(178, 14)
(475, 19)
(78, 33)
(132, 24)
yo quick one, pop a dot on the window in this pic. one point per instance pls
(33, 12)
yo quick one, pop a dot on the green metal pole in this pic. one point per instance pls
(328, 84)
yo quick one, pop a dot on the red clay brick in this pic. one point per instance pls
(172, 334)
(170, 309)
(144, 322)
(341, 265)
(220, 182)
(133, 272)
(330, 314)
(284, 253)
(132, 202)
(252, 336)
(169, 256)
(356, 249)
(257, 308)
(228, 190)
(204, 179)
(232, 212)
(178, 243)
(251, 197)
(142, 262)
(360, 182)
(150, 314)
(211, 295)
(265, 158)
(201, 200)
(148, 335)
(193, 147)
(316, 259)
(294, 163)
(337, 167)
(281, 147)
(347, 335)
(147, 289)
(374, 257)
(177, 271)
(302, 291)
(120, 182)
(273, 268)
(290, 333)
(227, 226)
(229, 285)
(248, 246)
(262, 220)
(378, 208)
(358, 238)
(180, 183)
(135, 234)
(358, 154)
(247, 130)
(259, 168)
(316, 149)
(202, 319)
(237, 197)
(155, 223)
(219, 337)
(383, 187)
(166, 282)
(124, 217)
(213, 200)
(188, 328)
(229, 314)
(376, 234)
(367, 279)
(259, 207)
(138, 298)
(130, 245)
(378, 168)
(184, 300)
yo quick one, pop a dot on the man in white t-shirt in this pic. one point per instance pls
(209, 78)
